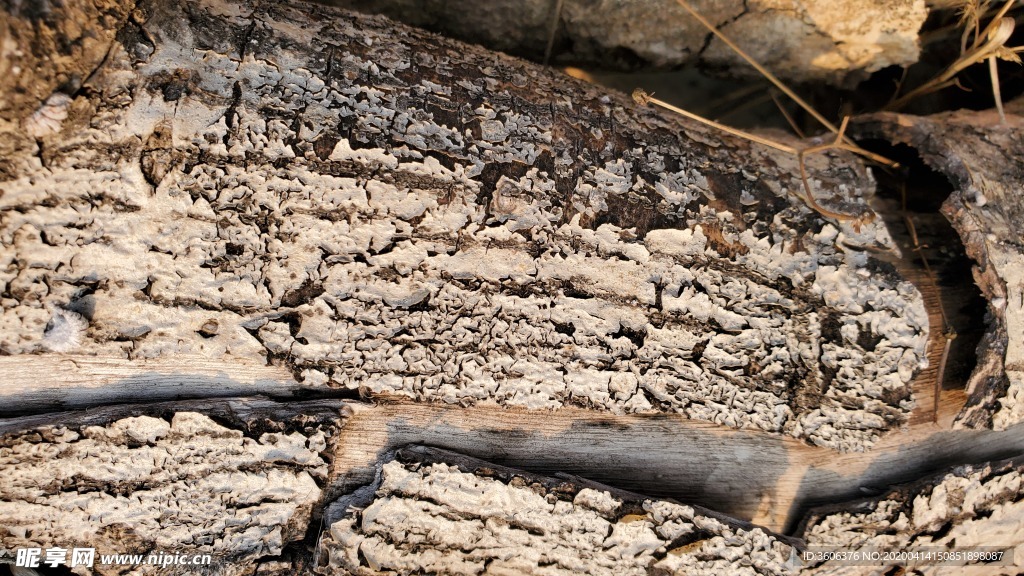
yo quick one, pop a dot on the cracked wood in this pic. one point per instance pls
(434, 511)
(236, 479)
(322, 191)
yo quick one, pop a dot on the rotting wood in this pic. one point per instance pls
(434, 511)
(969, 506)
(981, 156)
(766, 479)
(388, 212)
(233, 185)
(238, 480)
(746, 475)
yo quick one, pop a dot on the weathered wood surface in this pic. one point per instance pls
(296, 201)
(41, 384)
(434, 511)
(984, 160)
(387, 211)
(143, 457)
(968, 506)
(769, 480)
(802, 40)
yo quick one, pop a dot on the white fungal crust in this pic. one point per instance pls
(431, 224)
(969, 506)
(471, 518)
(64, 331)
(144, 484)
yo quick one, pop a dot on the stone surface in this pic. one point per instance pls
(800, 40)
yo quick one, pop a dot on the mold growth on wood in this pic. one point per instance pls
(239, 485)
(385, 211)
(968, 506)
(433, 511)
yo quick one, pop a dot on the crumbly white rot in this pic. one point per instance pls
(970, 506)
(436, 512)
(240, 485)
(383, 210)
(980, 155)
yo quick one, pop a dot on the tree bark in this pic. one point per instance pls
(245, 198)
(423, 219)
(981, 157)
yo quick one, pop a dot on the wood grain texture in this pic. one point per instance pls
(981, 157)
(749, 475)
(41, 384)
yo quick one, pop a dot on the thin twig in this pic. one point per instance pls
(552, 30)
(807, 184)
(950, 335)
(993, 72)
(985, 45)
(643, 98)
(849, 144)
(996, 20)
(787, 116)
(764, 71)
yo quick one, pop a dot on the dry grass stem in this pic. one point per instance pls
(977, 45)
(802, 154)
(789, 117)
(643, 98)
(552, 31)
(847, 144)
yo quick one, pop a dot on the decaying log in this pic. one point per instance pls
(128, 457)
(382, 210)
(802, 40)
(433, 511)
(235, 479)
(212, 198)
(969, 506)
(984, 161)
